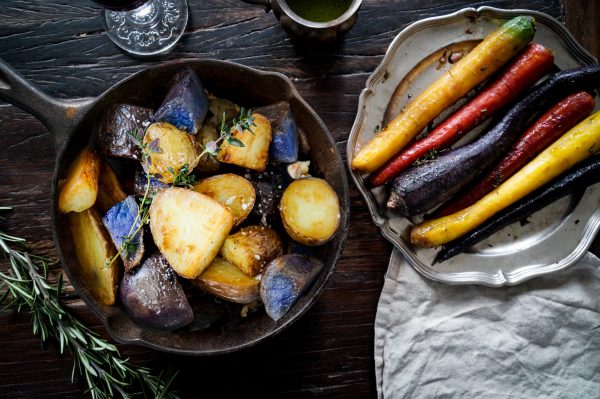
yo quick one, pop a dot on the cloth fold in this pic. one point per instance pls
(537, 339)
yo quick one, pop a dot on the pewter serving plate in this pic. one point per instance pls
(555, 237)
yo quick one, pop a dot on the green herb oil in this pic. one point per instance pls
(319, 10)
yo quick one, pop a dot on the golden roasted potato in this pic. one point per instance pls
(310, 211)
(251, 248)
(232, 191)
(207, 164)
(94, 247)
(176, 148)
(218, 107)
(255, 153)
(79, 190)
(110, 191)
(188, 229)
(224, 280)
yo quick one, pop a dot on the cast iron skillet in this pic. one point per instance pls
(71, 124)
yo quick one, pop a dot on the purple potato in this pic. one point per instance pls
(186, 103)
(114, 135)
(139, 185)
(284, 280)
(284, 132)
(122, 220)
(153, 296)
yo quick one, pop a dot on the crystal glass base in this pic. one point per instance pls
(153, 28)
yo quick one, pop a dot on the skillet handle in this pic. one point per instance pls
(59, 116)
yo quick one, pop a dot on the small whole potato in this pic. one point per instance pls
(310, 211)
(170, 149)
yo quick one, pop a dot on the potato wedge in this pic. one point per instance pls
(218, 107)
(110, 191)
(176, 148)
(310, 211)
(188, 229)
(153, 296)
(224, 280)
(79, 190)
(232, 191)
(251, 248)
(255, 152)
(284, 281)
(94, 247)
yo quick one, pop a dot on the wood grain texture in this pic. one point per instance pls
(61, 46)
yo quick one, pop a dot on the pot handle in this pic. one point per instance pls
(264, 3)
(59, 116)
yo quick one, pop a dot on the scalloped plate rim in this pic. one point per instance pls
(498, 279)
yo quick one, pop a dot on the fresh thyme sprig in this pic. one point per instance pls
(244, 122)
(24, 286)
(129, 245)
(183, 178)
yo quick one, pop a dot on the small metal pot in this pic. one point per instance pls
(71, 125)
(308, 31)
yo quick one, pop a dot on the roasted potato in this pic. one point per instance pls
(226, 281)
(188, 229)
(232, 191)
(93, 248)
(115, 130)
(255, 152)
(207, 164)
(251, 248)
(152, 296)
(284, 144)
(218, 107)
(310, 211)
(110, 191)
(121, 221)
(176, 148)
(284, 280)
(140, 182)
(79, 190)
(186, 104)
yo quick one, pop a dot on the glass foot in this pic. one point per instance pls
(153, 28)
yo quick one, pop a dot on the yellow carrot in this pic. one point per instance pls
(485, 59)
(577, 144)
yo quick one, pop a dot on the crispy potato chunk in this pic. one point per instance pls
(79, 190)
(310, 211)
(110, 191)
(176, 148)
(226, 281)
(251, 248)
(232, 191)
(188, 229)
(255, 153)
(94, 247)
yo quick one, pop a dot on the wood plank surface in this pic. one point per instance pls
(61, 46)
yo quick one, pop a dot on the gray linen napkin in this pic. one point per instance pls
(538, 339)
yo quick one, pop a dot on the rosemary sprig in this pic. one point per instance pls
(24, 286)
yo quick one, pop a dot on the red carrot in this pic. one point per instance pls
(533, 63)
(553, 124)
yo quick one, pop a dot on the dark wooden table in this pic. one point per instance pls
(61, 46)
